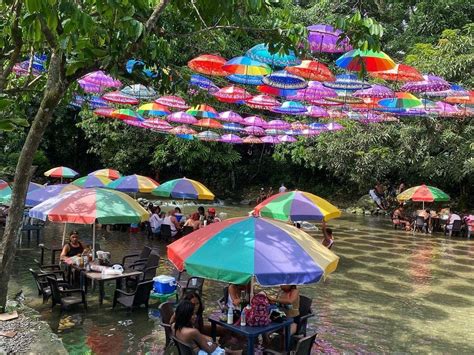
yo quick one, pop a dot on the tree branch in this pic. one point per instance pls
(50, 38)
(153, 19)
(226, 27)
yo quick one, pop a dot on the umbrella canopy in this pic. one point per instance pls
(203, 83)
(401, 72)
(297, 206)
(334, 126)
(153, 109)
(104, 112)
(429, 83)
(312, 70)
(230, 116)
(120, 98)
(314, 91)
(347, 82)
(423, 193)
(172, 101)
(184, 188)
(208, 123)
(245, 79)
(6, 190)
(100, 79)
(208, 136)
(376, 91)
(372, 60)
(246, 66)
(231, 138)
(127, 114)
(232, 94)
(251, 140)
(273, 252)
(278, 124)
(254, 130)
(139, 91)
(467, 99)
(270, 90)
(290, 139)
(290, 108)
(203, 111)
(262, 102)
(182, 117)
(157, 124)
(89, 205)
(91, 181)
(402, 100)
(61, 172)
(133, 183)
(316, 112)
(261, 53)
(285, 80)
(231, 126)
(270, 140)
(208, 64)
(183, 129)
(325, 38)
(254, 121)
(108, 173)
(37, 196)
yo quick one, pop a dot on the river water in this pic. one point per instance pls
(392, 292)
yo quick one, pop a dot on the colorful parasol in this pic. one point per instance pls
(270, 140)
(278, 124)
(402, 100)
(430, 83)
(423, 193)
(245, 79)
(127, 114)
(111, 174)
(230, 116)
(288, 139)
(91, 181)
(347, 82)
(208, 64)
(208, 136)
(298, 126)
(325, 38)
(401, 72)
(254, 130)
(254, 121)
(38, 196)
(139, 91)
(153, 110)
(246, 66)
(173, 102)
(203, 111)
(274, 131)
(120, 98)
(208, 123)
(61, 172)
(297, 206)
(232, 94)
(183, 129)
(372, 61)
(262, 102)
(134, 123)
(100, 79)
(157, 124)
(133, 183)
(466, 100)
(270, 90)
(182, 117)
(345, 97)
(312, 70)
(231, 126)
(314, 91)
(285, 80)
(374, 92)
(203, 83)
(316, 112)
(184, 188)
(231, 139)
(251, 140)
(290, 108)
(6, 190)
(334, 126)
(261, 53)
(272, 252)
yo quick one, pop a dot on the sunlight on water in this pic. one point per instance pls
(392, 292)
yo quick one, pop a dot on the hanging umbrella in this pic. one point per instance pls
(90, 205)
(245, 79)
(270, 140)
(285, 80)
(231, 138)
(430, 83)
(401, 72)
(139, 91)
(333, 126)
(134, 183)
(173, 102)
(376, 91)
(91, 181)
(182, 117)
(37, 196)
(423, 193)
(101, 79)
(345, 97)
(317, 126)
(134, 123)
(337, 115)
(203, 111)
(324, 102)
(208, 64)
(203, 83)
(104, 112)
(270, 90)
(127, 114)
(120, 98)
(298, 126)
(230, 116)
(297, 206)
(262, 102)
(278, 124)
(402, 100)
(61, 172)
(270, 251)
(309, 132)
(185, 189)
(157, 124)
(466, 100)
(108, 173)
(89, 87)
(232, 94)
(261, 53)
(97, 102)
(251, 140)
(372, 60)
(347, 82)
(254, 130)
(183, 129)
(254, 121)
(294, 132)
(454, 90)
(231, 126)
(312, 70)
(274, 131)
(316, 112)
(153, 110)
(325, 38)
(290, 108)
(314, 91)
(246, 66)
(287, 139)
(208, 123)
(208, 136)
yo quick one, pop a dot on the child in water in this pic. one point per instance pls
(328, 240)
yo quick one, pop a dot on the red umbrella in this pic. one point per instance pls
(208, 64)
(232, 94)
(401, 72)
(208, 122)
(312, 70)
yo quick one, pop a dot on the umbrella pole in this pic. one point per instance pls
(423, 205)
(252, 285)
(93, 241)
(64, 234)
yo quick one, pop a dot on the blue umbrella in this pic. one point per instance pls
(261, 53)
(246, 79)
(284, 80)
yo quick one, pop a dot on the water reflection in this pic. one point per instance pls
(393, 292)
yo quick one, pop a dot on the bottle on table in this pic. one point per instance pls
(230, 316)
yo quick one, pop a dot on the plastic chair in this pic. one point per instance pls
(137, 258)
(303, 346)
(66, 297)
(166, 312)
(165, 232)
(187, 230)
(420, 225)
(134, 299)
(455, 229)
(193, 284)
(183, 348)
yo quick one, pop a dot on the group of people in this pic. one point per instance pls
(177, 220)
(262, 196)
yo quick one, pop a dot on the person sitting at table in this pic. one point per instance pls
(427, 217)
(171, 220)
(328, 240)
(178, 214)
(211, 216)
(193, 221)
(289, 300)
(73, 248)
(195, 299)
(451, 218)
(156, 220)
(398, 217)
(184, 331)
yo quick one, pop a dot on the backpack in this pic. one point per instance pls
(258, 315)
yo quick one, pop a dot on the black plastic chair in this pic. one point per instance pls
(305, 313)
(148, 270)
(183, 348)
(303, 346)
(135, 299)
(66, 297)
(166, 312)
(165, 232)
(222, 302)
(137, 258)
(420, 225)
(42, 284)
(193, 284)
(456, 228)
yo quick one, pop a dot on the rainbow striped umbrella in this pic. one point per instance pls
(6, 190)
(297, 206)
(108, 173)
(272, 252)
(91, 181)
(134, 183)
(246, 66)
(127, 114)
(184, 188)
(203, 111)
(373, 61)
(208, 123)
(37, 196)
(402, 100)
(61, 172)
(153, 109)
(423, 193)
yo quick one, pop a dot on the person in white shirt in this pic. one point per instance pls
(171, 220)
(156, 220)
(452, 217)
(282, 188)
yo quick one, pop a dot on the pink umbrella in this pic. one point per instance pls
(263, 102)
(317, 112)
(232, 94)
(430, 83)
(333, 126)
(134, 123)
(251, 140)
(297, 125)
(230, 116)
(314, 91)
(231, 138)
(101, 79)
(157, 124)
(182, 117)
(173, 101)
(254, 130)
(287, 139)
(120, 98)
(376, 91)
(270, 140)
(183, 129)
(254, 121)
(278, 124)
(104, 111)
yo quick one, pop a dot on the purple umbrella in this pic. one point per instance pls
(376, 91)
(254, 121)
(278, 124)
(230, 116)
(274, 132)
(230, 138)
(89, 87)
(254, 130)
(324, 38)
(310, 132)
(333, 126)
(316, 111)
(430, 84)
(37, 196)
(317, 126)
(444, 109)
(182, 117)
(101, 79)
(287, 139)
(270, 140)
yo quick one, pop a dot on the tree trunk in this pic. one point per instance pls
(54, 92)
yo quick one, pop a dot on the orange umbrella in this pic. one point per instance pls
(208, 64)
(209, 123)
(467, 100)
(401, 72)
(312, 70)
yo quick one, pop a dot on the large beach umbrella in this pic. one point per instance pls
(271, 252)
(38, 196)
(6, 190)
(372, 60)
(423, 193)
(184, 188)
(88, 206)
(108, 173)
(89, 181)
(134, 183)
(61, 172)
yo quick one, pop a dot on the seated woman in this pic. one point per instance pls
(73, 248)
(184, 331)
(289, 300)
(193, 221)
(398, 217)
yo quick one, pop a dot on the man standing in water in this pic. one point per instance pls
(282, 188)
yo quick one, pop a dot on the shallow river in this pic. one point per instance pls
(392, 292)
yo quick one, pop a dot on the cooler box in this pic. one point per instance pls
(164, 284)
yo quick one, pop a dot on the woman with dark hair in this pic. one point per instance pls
(195, 299)
(183, 330)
